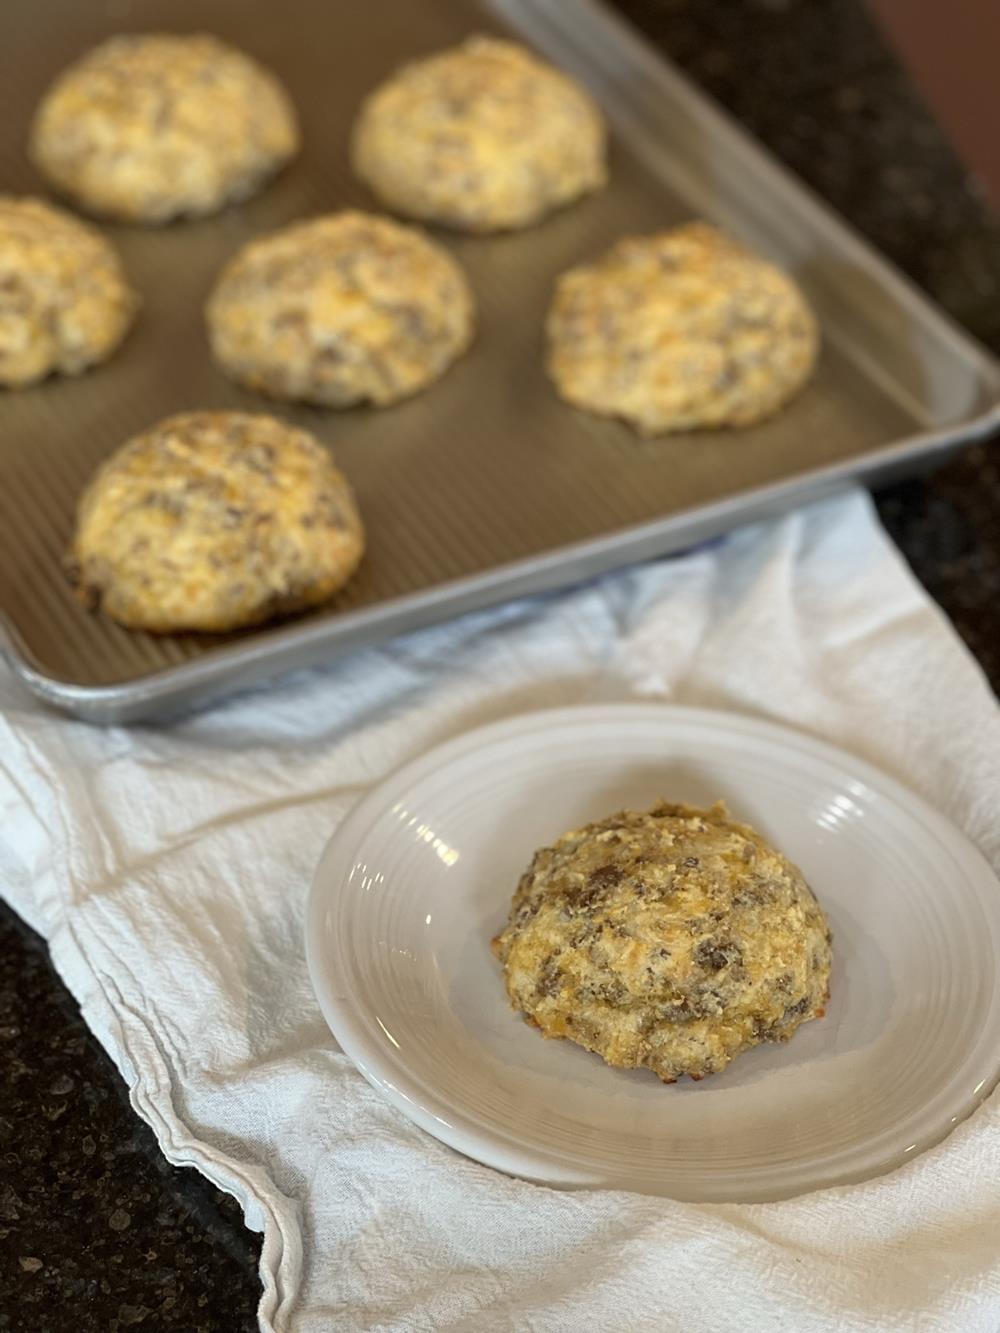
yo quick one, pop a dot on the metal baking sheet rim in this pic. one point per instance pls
(308, 643)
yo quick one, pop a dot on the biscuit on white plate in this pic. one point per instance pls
(671, 939)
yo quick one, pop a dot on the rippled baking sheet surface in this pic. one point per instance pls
(487, 485)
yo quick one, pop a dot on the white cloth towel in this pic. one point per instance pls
(168, 868)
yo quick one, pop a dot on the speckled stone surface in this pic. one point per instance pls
(97, 1232)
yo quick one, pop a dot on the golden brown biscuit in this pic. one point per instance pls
(342, 309)
(212, 521)
(673, 939)
(64, 301)
(483, 137)
(680, 331)
(153, 127)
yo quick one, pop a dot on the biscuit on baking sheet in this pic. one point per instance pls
(64, 302)
(212, 521)
(671, 939)
(482, 137)
(679, 331)
(342, 309)
(153, 127)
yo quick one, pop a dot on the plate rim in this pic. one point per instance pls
(493, 1146)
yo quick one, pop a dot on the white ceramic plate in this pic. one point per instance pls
(418, 879)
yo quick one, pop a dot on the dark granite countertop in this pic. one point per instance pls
(98, 1232)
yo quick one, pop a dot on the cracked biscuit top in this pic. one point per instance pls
(212, 521)
(482, 137)
(343, 309)
(671, 939)
(680, 331)
(152, 127)
(65, 304)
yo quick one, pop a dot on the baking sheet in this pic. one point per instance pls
(486, 486)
